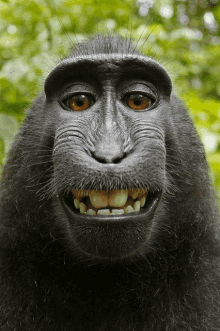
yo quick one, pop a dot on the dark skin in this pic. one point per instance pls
(108, 134)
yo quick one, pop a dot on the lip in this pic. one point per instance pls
(110, 237)
(146, 213)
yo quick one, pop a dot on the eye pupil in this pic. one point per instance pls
(79, 102)
(138, 101)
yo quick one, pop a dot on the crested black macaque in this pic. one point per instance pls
(108, 218)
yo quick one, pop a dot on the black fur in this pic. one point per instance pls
(157, 274)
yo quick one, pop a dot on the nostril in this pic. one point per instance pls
(108, 158)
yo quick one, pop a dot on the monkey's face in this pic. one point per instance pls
(109, 153)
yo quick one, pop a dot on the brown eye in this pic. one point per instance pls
(79, 102)
(138, 101)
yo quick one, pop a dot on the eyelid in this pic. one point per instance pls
(148, 95)
(70, 95)
(148, 92)
(141, 87)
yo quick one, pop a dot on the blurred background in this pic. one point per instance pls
(183, 35)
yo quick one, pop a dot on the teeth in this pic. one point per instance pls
(76, 203)
(128, 209)
(107, 211)
(82, 207)
(91, 212)
(99, 200)
(142, 201)
(137, 206)
(103, 212)
(118, 198)
(117, 211)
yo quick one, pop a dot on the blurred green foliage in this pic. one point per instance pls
(183, 35)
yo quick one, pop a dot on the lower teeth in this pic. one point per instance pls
(129, 209)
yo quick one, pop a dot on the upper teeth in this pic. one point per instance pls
(101, 199)
(114, 199)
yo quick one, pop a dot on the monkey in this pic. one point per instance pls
(108, 215)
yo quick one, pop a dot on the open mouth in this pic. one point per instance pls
(110, 224)
(111, 203)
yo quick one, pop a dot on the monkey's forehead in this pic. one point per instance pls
(100, 64)
(117, 59)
